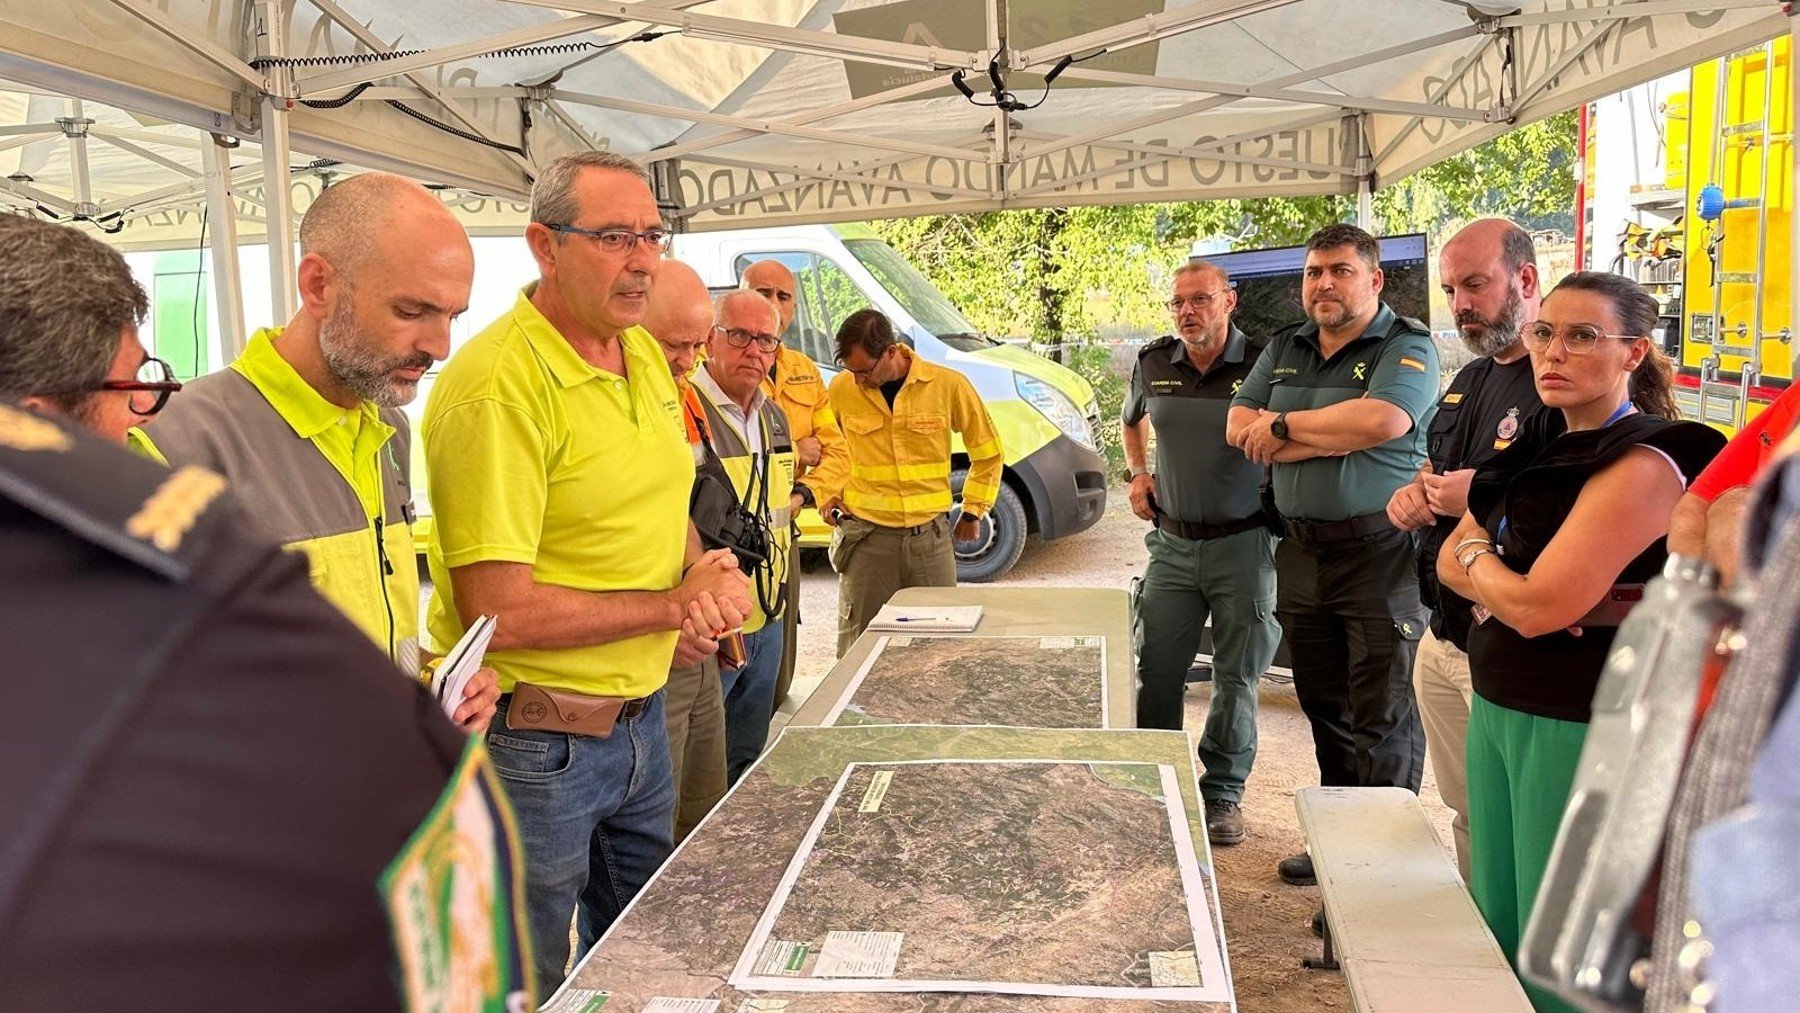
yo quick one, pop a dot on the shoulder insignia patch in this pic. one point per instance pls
(1409, 362)
(172, 510)
(1455, 397)
(23, 431)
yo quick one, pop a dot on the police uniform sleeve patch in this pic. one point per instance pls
(23, 431)
(175, 507)
(1408, 362)
(455, 896)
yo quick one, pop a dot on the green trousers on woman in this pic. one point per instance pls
(1521, 768)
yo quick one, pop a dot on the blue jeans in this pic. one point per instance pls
(750, 699)
(594, 818)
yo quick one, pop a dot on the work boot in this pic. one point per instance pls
(1224, 821)
(1297, 871)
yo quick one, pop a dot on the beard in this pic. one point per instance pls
(1331, 314)
(1491, 337)
(361, 368)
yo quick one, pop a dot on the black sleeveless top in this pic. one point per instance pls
(1533, 485)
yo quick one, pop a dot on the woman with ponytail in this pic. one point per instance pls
(1561, 526)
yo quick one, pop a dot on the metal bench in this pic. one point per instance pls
(1398, 921)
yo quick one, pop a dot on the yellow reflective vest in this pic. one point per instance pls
(332, 483)
(763, 484)
(899, 458)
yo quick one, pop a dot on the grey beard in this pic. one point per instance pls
(363, 371)
(1496, 335)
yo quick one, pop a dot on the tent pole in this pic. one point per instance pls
(75, 128)
(1365, 205)
(222, 241)
(271, 41)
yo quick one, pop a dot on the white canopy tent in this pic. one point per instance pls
(764, 112)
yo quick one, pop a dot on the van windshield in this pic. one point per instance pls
(917, 295)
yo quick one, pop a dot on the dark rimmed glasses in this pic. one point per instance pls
(150, 389)
(739, 338)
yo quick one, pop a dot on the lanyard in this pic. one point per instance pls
(1625, 409)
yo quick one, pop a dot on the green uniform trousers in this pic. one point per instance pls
(1232, 579)
(873, 562)
(694, 709)
(1521, 768)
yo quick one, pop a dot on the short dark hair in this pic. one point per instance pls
(867, 329)
(1344, 234)
(65, 300)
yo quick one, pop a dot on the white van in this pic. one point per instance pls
(1055, 478)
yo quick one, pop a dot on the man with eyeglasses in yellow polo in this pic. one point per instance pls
(560, 472)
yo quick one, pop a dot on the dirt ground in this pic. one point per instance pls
(1265, 919)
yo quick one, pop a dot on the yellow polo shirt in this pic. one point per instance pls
(535, 456)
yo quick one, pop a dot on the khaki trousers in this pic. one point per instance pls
(695, 712)
(873, 562)
(1441, 684)
(790, 628)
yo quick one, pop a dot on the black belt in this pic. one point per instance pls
(1323, 532)
(632, 708)
(1198, 532)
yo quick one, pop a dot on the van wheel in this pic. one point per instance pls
(999, 543)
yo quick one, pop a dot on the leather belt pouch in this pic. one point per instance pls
(537, 708)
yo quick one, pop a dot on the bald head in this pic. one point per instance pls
(679, 314)
(772, 280)
(384, 269)
(374, 214)
(1488, 272)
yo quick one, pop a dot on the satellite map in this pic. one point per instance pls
(1022, 885)
(961, 680)
(690, 927)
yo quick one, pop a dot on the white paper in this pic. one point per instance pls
(575, 1000)
(858, 955)
(927, 618)
(664, 1004)
(461, 664)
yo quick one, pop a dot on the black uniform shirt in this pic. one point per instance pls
(1482, 413)
(204, 767)
(1200, 478)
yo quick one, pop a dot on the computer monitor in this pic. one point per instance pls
(1268, 282)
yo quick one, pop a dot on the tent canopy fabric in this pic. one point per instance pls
(767, 112)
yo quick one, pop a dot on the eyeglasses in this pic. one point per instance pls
(619, 240)
(151, 388)
(737, 338)
(1199, 301)
(1579, 339)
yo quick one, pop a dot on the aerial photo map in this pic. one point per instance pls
(960, 680)
(889, 868)
(1020, 885)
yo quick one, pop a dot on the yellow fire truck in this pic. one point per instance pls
(1706, 223)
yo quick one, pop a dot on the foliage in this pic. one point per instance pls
(1094, 363)
(1058, 274)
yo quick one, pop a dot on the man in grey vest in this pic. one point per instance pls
(1336, 405)
(306, 424)
(1211, 553)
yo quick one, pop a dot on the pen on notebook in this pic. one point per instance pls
(922, 619)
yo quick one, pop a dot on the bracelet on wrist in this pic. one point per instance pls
(1469, 559)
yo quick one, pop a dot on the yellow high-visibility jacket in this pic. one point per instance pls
(799, 391)
(899, 459)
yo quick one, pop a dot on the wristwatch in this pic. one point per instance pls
(1279, 427)
(1135, 472)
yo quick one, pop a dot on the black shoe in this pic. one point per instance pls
(1297, 871)
(1318, 922)
(1224, 821)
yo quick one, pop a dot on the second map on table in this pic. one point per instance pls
(1042, 682)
